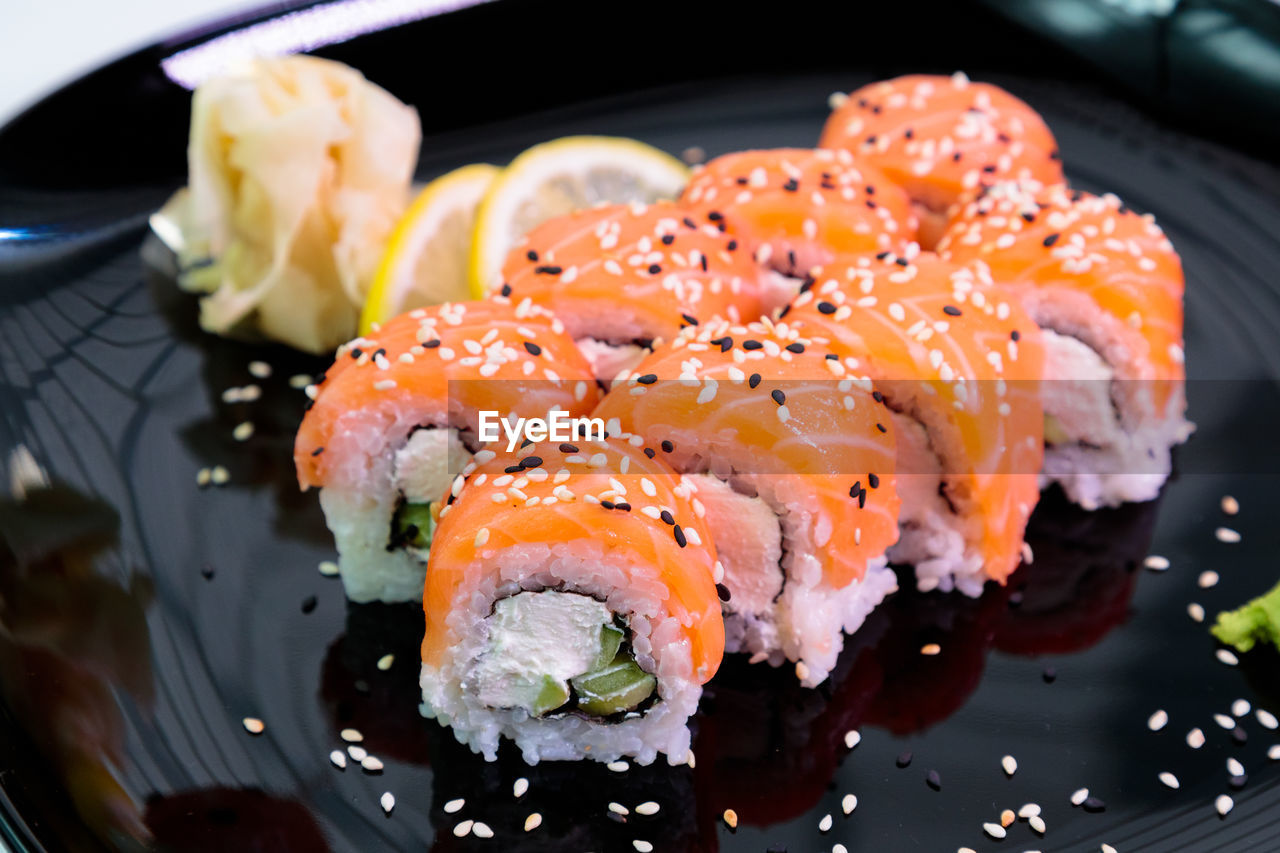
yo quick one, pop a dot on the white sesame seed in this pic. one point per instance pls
(351, 735)
(388, 802)
(481, 830)
(259, 369)
(532, 822)
(647, 808)
(642, 846)
(1169, 780)
(299, 381)
(243, 431)
(219, 475)
(1156, 563)
(824, 825)
(1158, 720)
(1107, 848)
(328, 568)
(619, 808)
(254, 726)
(618, 766)
(454, 806)
(371, 764)
(203, 476)
(1241, 708)
(482, 536)
(385, 662)
(852, 738)
(1195, 738)
(1196, 612)
(388, 384)
(339, 759)
(1234, 767)
(848, 803)
(1010, 765)
(802, 671)
(357, 752)
(1079, 796)
(1224, 721)
(995, 830)
(1207, 579)
(1037, 823)
(1273, 752)
(1223, 804)
(1230, 506)
(1029, 810)
(463, 829)
(839, 848)
(1226, 534)
(1267, 719)
(520, 788)
(1227, 656)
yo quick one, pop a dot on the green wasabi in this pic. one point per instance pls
(1257, 621)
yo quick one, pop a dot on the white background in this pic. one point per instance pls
(46, 43)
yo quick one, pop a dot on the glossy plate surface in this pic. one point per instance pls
(150, 616)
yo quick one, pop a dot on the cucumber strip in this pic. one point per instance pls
(414, 525)
(620, 686)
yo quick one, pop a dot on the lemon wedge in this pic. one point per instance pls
(559, 177)
(426, 259)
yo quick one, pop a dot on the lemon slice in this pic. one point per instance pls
(559, 177)
(426, 258)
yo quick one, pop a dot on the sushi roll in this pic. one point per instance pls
(958, 362)
(570, 606)
(395, 417)
(1105, 285)
(796, 208)
(794, 472)
(943, 138)
(627, 276)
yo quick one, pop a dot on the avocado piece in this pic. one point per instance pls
(620, 686)
(552, 693)
(610, 641)
(1256, 621)
(414, 525)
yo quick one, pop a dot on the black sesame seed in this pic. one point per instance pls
(873, 480)
(715, 216)
(1239, 735)
(506, 290)
(1049, 675)
(531, 255)
(513, 469)
(904, 759)
(532, 348)
(778, 397)
(902, 262)
(1238, 782)
(723, 592)
(855, 489)
(531, 461)
(871, 204)
(754, 380)
(1015, 335)
(880, 256)
(1029, 216)
(877, 396)
(689, 223)
(951, 310)
(908, 133)
(933, 780)
(702, 262)
(1094, 805)
(625, 507)
(741, 180)
(989, 169)
(692, 321)
(679, 534)
(647, 379)
(549, 269)
(308, 604)
(668, 239)
(881, 427)
(381, 351)
(607, 504)
(1051, 239)
(654, 269)
(432, 344)
(317, 451)
(826, 308)
(796, 347)
(206, 572)
(667, 517)
(568, 448)
(668, 446)
(831, 357)
(791, 185)
(732, 246)
(650, 452)
(726, 344)
(750, 344)
(955, 158)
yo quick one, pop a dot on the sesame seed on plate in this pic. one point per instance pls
(1224, 721)
(520, 788)
(647, 808)
(351, 735)
(1241, 708)
(454, 806)
(1227, 535)
(619, 808)
(1169, 780)
(243, 431)
(730, 818)
(1156, 563)
(995, 830)
(203, 476)
(339, 759)
(1195, 738)
(642, 846)
(824, 825)
(259, 369)
(1227, 656)
(852, 738)
(1029, 810)
(328, 568)
(298, 381)
(1196, 612)
(388, 801)
(1234, 767)
(1267, 719)
(1007, 817)
(481, 830)
(357, 752)
(1230, 506)
(1107, 848)
(1223, 804)
(930, 649)
(1010, 765)
(839, 848)
(1207, 579)
(219, 475)
(1158, 720)
(463, 829)
(848, 803)
(532, 822)
(618, 766)
(1273, 752)
(385, 662)
(254, 726)
(1037, 823)
(1079, 796)
(370, 764)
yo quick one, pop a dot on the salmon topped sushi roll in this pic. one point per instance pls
(796, 208)
(626, 276)
(570, 605)
(958, 362)
(396, 416)
(942, 138)
(1105, 285)
(793, 466)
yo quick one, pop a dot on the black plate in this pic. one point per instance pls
(152, 616)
